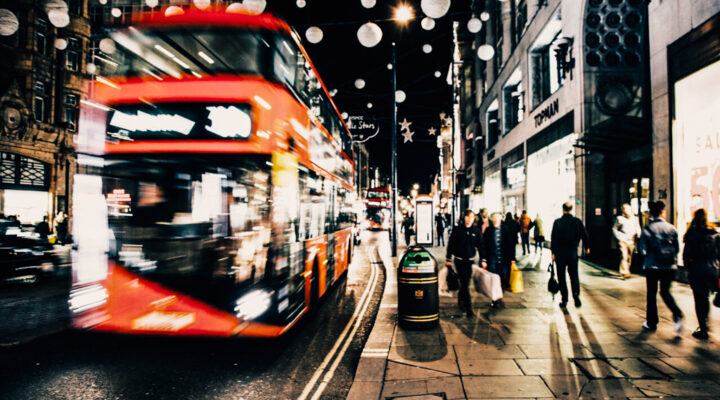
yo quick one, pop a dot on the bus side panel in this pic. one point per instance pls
(342, 250)
(315, 253)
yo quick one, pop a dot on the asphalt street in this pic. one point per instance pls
(309, 362)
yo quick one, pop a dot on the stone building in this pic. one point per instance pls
(41, 84)
(563, 111)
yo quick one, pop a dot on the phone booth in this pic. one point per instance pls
(424, 220)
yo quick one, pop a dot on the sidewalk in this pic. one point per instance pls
(533, 349)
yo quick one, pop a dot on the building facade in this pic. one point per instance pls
(685, 81)
(563, 109)
(41, 84)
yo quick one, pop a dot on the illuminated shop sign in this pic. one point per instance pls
(696, 144)
(179, 121)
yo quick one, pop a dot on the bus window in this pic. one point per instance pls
(285, 61)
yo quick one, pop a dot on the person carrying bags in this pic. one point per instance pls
(464, 243)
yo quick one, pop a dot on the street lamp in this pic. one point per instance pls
(404, 13)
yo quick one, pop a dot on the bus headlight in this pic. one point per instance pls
(86, 298)
(253, 304)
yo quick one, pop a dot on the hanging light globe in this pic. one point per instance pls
(174, 10)
(427, 49)
(438, 74)
(60, 44)
(58, 18)
(369, 105)
(369, 34)
(427, 23)
(91, 68)
(300, 3)
(116, 12)
(389, 66)
(314, 34)
(58, 5)
(368, 3)
(9, 23)
(474, 25)
(359, 83)
(107, 46)
(435, 8)
(201, 4)
(400, 96)
(485, 16)
(485, 52)
(236, 8)
(255, 7)
(150, 3)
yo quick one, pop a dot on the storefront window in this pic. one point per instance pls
(493, 192)
(696, 145)
(551, 179)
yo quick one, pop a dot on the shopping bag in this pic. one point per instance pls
(516, 279)
(553, 285)
(487, 283)
(452, 279)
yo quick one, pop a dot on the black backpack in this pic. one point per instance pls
(665, 249)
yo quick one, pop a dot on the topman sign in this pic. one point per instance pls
(363, 127)
(547, 113)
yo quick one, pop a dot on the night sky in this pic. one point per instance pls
(340, 59)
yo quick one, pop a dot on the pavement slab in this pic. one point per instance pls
(438, 358)
(692, 388)
(556, 350)
(399, 371)
(488, 367)
(598, 369)
(488, 352)
(609, 388)
(548, 366)
(635, 368)
(505, 386)
(565, 386)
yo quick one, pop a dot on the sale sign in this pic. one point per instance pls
(696, 144)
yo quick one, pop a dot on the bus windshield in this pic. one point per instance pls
(159, 53)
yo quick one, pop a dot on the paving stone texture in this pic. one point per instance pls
(533, 349)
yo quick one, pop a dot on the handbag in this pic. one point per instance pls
(452, 279)
(487, 283)
(553, 286)
(516, 279)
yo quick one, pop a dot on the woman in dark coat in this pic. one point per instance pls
(701, 258)
(499, 241)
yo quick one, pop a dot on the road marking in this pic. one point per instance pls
(331, 372)
(359, 311)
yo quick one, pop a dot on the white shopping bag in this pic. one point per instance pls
(487, 283)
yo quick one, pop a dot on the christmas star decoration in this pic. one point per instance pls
(432, 131)
(405, 125)
(407, 136)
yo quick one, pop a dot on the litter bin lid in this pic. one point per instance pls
(417, 261)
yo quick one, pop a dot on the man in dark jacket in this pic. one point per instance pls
(499, 249)
(659, 245)
(43, 228)
(465, 240)
(440, 228)
(567, 232)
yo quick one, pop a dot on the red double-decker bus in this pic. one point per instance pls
(377, 209)
(215, 187)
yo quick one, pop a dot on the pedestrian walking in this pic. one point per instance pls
(408, 227)
(484, 220)
(464, 243)
(538, 233)
(626, 231)
(499, 250)
(512, 227)
(659, 244)
(701, 258)
(61, 227)
(440, 228)
(525, 224)
(43, 228)
(567, 232)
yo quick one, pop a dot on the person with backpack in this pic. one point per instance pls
(567, 232)
(701, 257)
(659, 245)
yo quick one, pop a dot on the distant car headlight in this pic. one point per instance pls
(86, 298)
(253, 304)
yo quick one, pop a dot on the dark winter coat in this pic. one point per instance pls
(567, 232)
(702, 250)
(507, 247)
(464, 243)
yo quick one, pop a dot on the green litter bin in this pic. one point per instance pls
(417, 276)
